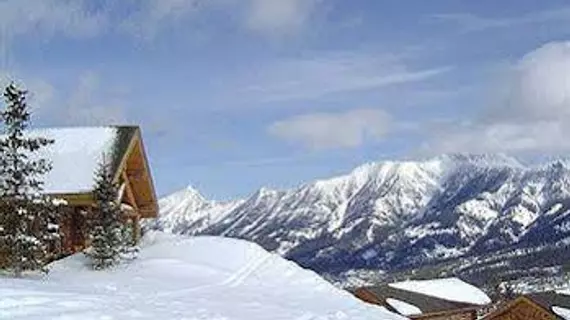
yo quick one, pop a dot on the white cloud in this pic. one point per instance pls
(533, 116)
(278, 17)
(314, 77)
(333, 130)
(540, 84)
(511, 137)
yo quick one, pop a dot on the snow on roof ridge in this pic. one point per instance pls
(450, 289)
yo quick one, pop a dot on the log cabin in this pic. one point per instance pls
(548, 305)
(422, 305)
(75, 156)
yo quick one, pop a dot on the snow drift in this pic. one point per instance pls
(178, 277)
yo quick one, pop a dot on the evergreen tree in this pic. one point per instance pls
(107, 230)
(130, 248)
(28, 219)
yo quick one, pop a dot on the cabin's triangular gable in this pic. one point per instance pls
(77, 152)
(132, 171)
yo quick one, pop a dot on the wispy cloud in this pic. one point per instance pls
(81, 18)
(468, 22)
(314, 77)
(145, 18)
(333, 130)
(531, 116)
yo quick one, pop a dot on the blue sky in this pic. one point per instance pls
(233, 95)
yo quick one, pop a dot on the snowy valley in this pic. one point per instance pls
(475, 216)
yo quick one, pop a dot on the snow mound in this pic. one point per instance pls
(177, 277)
(451, 289)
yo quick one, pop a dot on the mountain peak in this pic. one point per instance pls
(265, 191)
(190, 190)
(188, 194)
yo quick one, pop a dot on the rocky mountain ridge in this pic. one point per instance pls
(392, 215)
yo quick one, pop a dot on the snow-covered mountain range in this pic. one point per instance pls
(393, 216)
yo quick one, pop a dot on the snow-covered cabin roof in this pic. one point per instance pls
(451, 289)
(77, 152)
(426, 296)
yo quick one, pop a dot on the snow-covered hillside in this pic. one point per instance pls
(177, 277)
(393, 215)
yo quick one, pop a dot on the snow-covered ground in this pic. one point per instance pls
(178, 277)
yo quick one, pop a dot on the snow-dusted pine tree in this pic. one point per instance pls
(107, 230)
(28, 219)
(130, 248)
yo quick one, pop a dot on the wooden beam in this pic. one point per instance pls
(136, 173)
(129, 191)
(147, 171)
